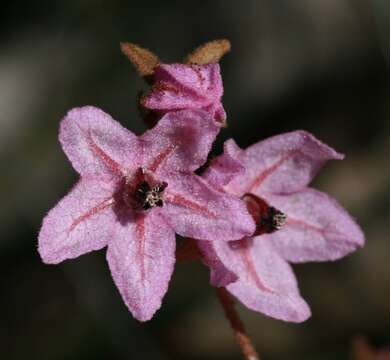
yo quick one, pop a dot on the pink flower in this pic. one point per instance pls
(295, 223)
(180, 86)
(133, 195)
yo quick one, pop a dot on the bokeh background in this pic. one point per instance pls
(310, 64)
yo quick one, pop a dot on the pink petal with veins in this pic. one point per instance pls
(81, 222)
(317, 228)
(180, 87)
(141, 257)
(281, 164)
(180, 141)
(266, 282)
(96, 144)
(196, 210)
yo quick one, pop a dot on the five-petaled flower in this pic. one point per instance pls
(181, 87)
(295, 223)
(134, 194)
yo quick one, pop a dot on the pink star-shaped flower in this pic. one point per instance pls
(295, 223)
(180, 86)
(133, 195)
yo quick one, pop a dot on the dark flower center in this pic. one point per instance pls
(142, 191)
(149, 197)
(268, 219)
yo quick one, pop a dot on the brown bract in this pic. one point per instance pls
(209, 53)
(146, 61)
(143, 59)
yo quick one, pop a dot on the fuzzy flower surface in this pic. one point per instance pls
(181, 86)
(134, 194)
(295, 223)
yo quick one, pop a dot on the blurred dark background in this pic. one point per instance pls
(315, 65)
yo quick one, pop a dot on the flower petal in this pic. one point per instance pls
(96, 144)
(317, 228)
(180, 141)
(141, 259)
(220, 275)
(81, 222)
(179, 86)
(266, 282)
(194, 209)
(225, 167)
(282, 164)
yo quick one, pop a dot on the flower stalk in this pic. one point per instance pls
(240, 334)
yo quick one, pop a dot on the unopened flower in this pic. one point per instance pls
(133, 195)
(186, 86)
(295, 223)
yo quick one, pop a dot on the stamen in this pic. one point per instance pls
(279, 219)
(273, 220)
(268, 219)
(142, 192)
(149, 197)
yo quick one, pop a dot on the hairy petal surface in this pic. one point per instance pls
(281, 164)
(195, 209)
(317, 228)
(96, 144)
(225, 167)
(81, 222)
(220, 275)
(141, 258)
(266, 282)
(180, 141)
(179, 86)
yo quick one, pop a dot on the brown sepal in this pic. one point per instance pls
(208, 53)
(143, 59)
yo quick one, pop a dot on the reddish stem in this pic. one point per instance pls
(242, 337)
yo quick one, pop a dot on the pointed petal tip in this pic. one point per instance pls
(83, 109)
(282, 164)
(47, 257)
(336, 234)
(77, 113)
(326, 149)
(295, 310)
(230, 147)
(360, 237)
(80, 223)
(46, 254)
(299, 313)
(141, 315)
(141, 259)
(220, 275)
